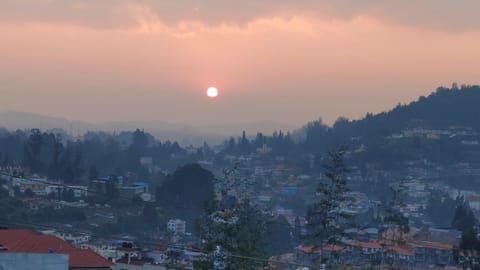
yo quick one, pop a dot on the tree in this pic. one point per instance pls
(326, 218)
(32, 150)
(231, 230)
(297, 230)
(278, 236)
(393, 218)
(469, 240)
(464, 219)
(29, 193)
(111, 189)
(92, 174)
(441, 208)
(3, 193)
(57, 149)
(150, 215)
(232, 235)
(68, 195)
(186, 191)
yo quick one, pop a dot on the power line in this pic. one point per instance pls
(227, 174)
(152, 243)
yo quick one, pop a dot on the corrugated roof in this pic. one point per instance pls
(318, 249)
(370, 244)
(407, 251)
(432, 245)
(27, 241)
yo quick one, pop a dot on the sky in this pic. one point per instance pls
(287, 61)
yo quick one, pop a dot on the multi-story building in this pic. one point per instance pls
(177, 226)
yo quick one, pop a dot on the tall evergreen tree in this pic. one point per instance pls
(326, 218)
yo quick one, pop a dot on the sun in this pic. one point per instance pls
(212, 92)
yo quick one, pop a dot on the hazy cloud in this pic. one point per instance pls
(290, 61)
(459, 15)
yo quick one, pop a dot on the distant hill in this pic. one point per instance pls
(452, 109)
(184, 134)
(25, 120)
(443, 108)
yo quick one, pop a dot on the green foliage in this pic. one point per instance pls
(392, 216)
(279, 142)
(441, 208)
(29, 193)
(111, 189)
(150, 215)
(70, 214)
(62, 158)
(186, 191)
(326, 217)
(3, 193)
(464, 219)
(470, 240)
(279, 236)
(237, 232)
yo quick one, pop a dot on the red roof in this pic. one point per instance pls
(432, 245)
(26, 241)
(401, 250)
(371, 244)
(308, 249)
(86, 258)
(473, 198)
(318, 249)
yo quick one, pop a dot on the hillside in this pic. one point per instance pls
(443, 127)
(183, 133)
(442, 109)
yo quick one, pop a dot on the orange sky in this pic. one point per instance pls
(114, 60)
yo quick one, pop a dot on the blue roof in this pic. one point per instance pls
(143, 184)
(290, 191)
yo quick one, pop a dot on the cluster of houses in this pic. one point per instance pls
(44, 187)
(50, 250)
(377, 252)
(271, 184)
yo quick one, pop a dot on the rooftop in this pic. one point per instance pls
(26, 241)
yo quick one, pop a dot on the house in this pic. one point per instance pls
(474, 201)
(134, 189)
(364, 252)
(101, 184)
(402, 256)
(433, 253)
(313, 255)
(177, 226)
(24, 261)
(29, 242)
(74, 238)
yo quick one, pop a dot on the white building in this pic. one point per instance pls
(177, 226)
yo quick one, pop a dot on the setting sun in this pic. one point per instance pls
(212, 92)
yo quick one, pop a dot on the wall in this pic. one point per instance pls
(33, 261)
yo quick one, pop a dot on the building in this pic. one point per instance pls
(146, 161)
(29, 242)
(177, 226)
(134, 189)
(314, 255)
(101, 184)
(24, 261)
(78, 191)
(433, 253)
(76, 239)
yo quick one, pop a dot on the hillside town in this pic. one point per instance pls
(272, 184)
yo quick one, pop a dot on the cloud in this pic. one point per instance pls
(447, 15)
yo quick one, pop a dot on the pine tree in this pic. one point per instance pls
(326, 218)
(231, 232)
